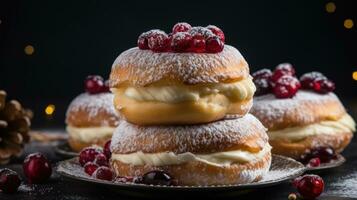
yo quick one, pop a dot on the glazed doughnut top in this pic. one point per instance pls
(303, 109)
(143, 67)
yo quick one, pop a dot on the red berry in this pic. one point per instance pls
(156, 178)
(323, 86)
(37, 168)
(9, 181)
(199, 30)
(217, 31)
(181, 27)
(88, 155)
(263, 73)
(94, 84)
(158, 41)
(286, 67)
(325, 154)
(263, 86)
(214, 45)
(90, 167)
(143, 40)
(307, 80)
(101, 160)
(310, 186)
(198, 44)
(314, 162)
(106, 149)
(286, 87)
(181, 41)
(103, 173)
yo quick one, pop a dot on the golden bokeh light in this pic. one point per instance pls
(50, 109)
(330, 7)
(354, 75)
(348, 23)
(29, 50)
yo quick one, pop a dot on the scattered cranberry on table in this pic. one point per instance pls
(106, 149)
(90, 167)
(88, 155)
(103, 173)
(9, 181)
(309, 186)
(37, 168)
(184, 38)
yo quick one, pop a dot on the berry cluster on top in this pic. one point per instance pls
(282, 82)
(95, 84)
(184, 38)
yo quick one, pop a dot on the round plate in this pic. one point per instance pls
(282, 169)
(334, 163)
(64, 150)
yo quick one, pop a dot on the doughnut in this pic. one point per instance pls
(229, 151)
(91, 120)
(168, 88)
(305, 122)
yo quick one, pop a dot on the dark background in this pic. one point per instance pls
(73, 39)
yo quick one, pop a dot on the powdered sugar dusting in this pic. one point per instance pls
(184, 137)
(269, 109)
(191, 68)
(92, 103)
(345, 186)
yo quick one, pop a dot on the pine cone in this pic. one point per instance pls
(14, 128)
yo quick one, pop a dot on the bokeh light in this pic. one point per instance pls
(354, 75)
(29, 50)
(348, 23)
(50, 109)
(330, 7)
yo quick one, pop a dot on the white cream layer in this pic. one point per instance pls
(236, 91)
(170, 158)
(344, 125)
(91, 134)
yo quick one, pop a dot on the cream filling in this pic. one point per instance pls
(91, 134)
(344, 125)
(169, 158)
(236, 91)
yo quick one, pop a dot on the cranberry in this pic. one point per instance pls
(88, 155)
(103, 173)
(310, 186)
(325, 154)
(263, 86)
(90, 167)
(214, 45)
(37, 168)
(106, 87)
(286, 87)
(323, 86)
(217, 31)
(199, 30)
(94, 84)
(198, 44)
(158, 41)
(124, 179)
(314, 162)
(181, 27)
(286, 67)
(101, 160)
(156, 178)
(307, 80)
(9, 181)
(181, 41)
(263, 73)
(106, 149)
(143, 40)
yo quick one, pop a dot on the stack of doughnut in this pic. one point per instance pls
(187, 115)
